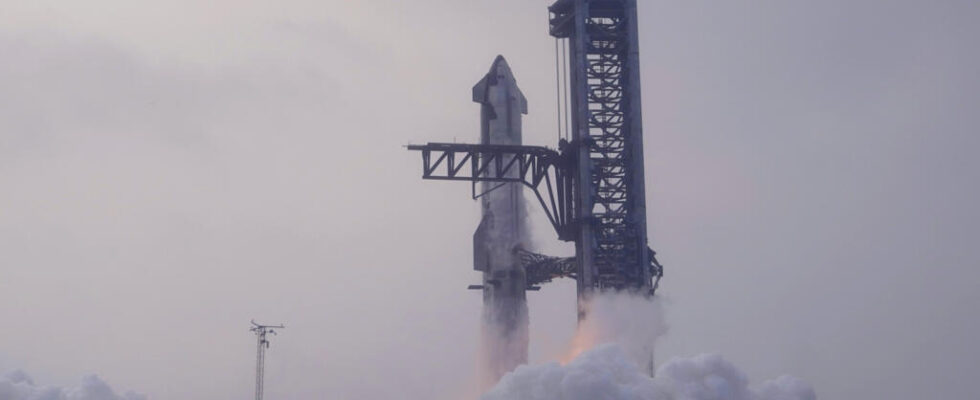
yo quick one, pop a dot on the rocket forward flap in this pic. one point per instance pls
(499, 73)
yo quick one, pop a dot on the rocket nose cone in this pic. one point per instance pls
(499, 74)
(500, 60)
(500, 67)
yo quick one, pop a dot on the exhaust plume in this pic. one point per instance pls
(611, 356)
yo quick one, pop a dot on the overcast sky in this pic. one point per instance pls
(171, 169)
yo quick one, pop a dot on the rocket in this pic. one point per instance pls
(502, 229)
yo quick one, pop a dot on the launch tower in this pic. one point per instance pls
(591, 188)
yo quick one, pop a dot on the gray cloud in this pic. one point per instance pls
(17, 385)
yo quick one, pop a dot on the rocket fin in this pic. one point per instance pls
(481, 254)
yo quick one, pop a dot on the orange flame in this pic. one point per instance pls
(583, 340)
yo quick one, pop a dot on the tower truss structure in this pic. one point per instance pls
(607, 127)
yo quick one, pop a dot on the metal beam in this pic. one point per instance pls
(543, 170)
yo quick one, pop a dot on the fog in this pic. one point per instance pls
(171, 170)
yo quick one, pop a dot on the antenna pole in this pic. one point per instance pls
(261, 331)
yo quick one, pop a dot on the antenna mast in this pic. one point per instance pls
(260, 332)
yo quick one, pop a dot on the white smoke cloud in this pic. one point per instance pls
(632, 322)
(610, 360)
(709, 376)
(17, 385)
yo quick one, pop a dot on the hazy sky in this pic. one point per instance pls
(171, 169)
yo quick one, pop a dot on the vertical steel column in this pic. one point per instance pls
(634, 114)
(585, 243)
(260, 365)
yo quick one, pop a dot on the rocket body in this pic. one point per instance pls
(502, 228)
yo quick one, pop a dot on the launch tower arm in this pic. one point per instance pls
(543, 170)
(541, 268)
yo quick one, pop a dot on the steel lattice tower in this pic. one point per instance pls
(610, 206)
(261, 331)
